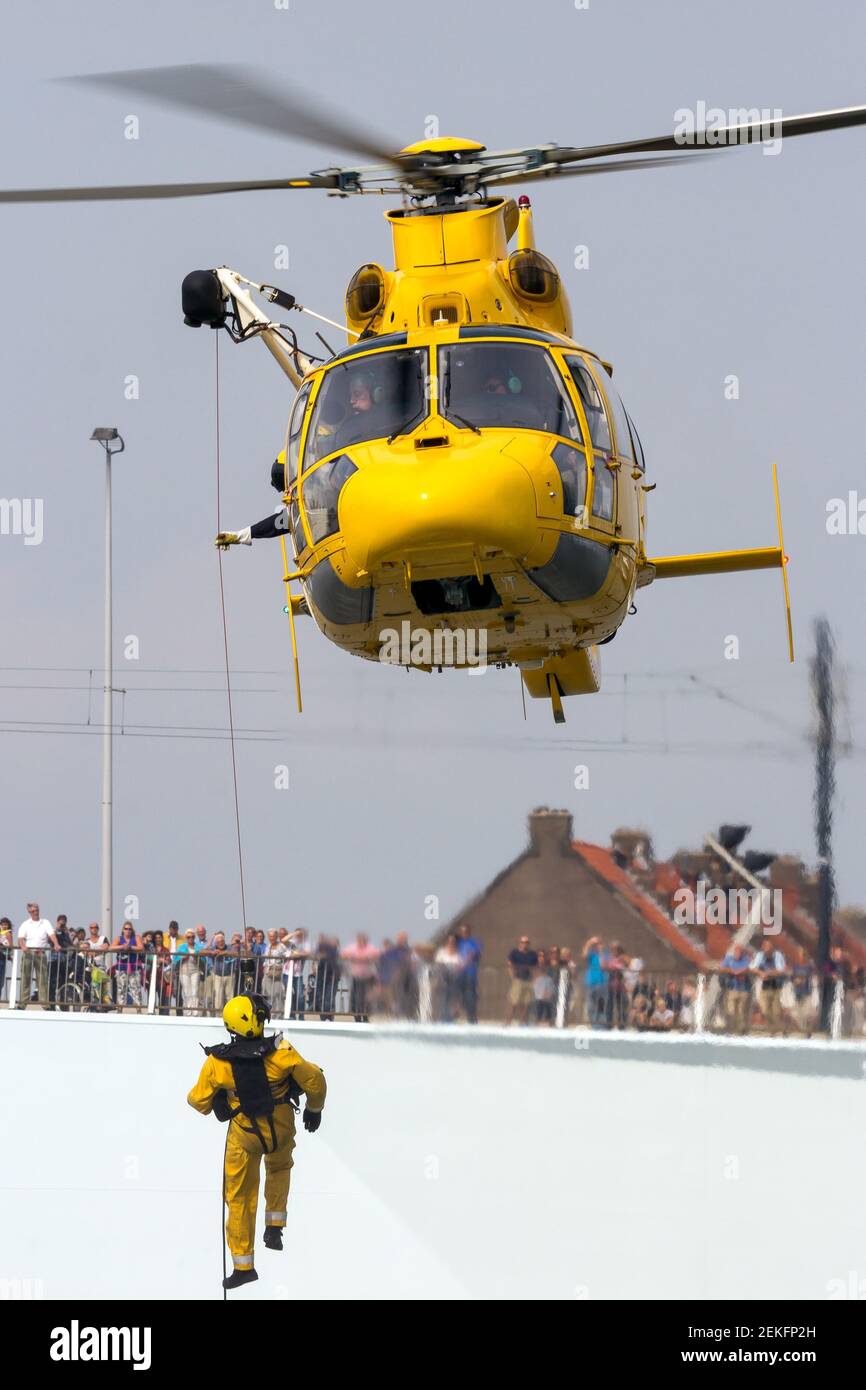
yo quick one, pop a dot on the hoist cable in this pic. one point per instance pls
(226, 647)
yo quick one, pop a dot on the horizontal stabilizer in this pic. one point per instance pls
(730, 561)
(717, 562)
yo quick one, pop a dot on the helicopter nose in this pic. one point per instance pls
(390, 507)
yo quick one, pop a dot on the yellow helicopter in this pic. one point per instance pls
(462, 483)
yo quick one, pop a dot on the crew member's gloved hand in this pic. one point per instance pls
(221, 1106)
(227, 538)
(312, 1120)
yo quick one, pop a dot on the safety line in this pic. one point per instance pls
(226, 645)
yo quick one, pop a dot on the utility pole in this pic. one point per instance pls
(825, 787)
(106, 436)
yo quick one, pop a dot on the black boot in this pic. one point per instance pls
(274, 1237)
(238, 1277)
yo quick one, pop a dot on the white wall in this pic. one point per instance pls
(449, 1164)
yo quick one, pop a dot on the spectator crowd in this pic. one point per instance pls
(195, 972)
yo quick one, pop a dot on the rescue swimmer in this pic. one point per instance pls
(255, 1083)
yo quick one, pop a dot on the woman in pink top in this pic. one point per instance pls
(362, 959)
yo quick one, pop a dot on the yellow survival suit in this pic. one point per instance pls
(252, 1082)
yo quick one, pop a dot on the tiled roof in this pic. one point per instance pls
(603, 863)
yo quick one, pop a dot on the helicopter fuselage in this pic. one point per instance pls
(465, 466)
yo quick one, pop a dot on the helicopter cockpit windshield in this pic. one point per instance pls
(371, 397)
(505, 386)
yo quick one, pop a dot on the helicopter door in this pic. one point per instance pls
(603, 504)
(628, 509)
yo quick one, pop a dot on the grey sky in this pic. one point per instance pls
(408, 785)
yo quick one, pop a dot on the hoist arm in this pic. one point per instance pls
(294, 364)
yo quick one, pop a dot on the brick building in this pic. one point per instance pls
(561, 891)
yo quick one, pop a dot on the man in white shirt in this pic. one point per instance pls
(293, 972)
(273, 988)
(35, 939)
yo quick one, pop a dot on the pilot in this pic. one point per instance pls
(253, 1082)
(274, 524)
(495, 386)
(504, 401)
(363, 419)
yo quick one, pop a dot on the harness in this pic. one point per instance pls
(256, 1100)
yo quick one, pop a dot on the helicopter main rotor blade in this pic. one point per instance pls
(242, 96)
(723, 137)
(559, 171)
(121, 192)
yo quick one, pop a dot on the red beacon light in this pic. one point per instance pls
(523, 201)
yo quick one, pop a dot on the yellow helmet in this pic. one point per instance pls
(246, 1015)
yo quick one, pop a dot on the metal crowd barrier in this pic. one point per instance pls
(297, 987)
(190, 983)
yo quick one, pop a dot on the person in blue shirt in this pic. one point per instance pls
(769, 966)
(802, 973)
(594, 983)
(470, 950)
(736, 973)
(222, 973)
(186, 976)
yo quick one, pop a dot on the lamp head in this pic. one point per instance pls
(106, 435)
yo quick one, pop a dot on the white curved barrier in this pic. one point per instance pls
(451, 1163)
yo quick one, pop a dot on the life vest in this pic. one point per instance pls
(256, 1100)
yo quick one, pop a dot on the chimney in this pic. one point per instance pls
(788, 872)
(549, 831)
(633, 845)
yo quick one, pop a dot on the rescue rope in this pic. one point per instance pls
(226, 647)
(223, 1202)
(223, 1205)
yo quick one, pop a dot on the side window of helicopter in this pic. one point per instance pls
(296, 425)
(371, 397)
(593, 406)
(320, 492)
(299, 540)
(571, 464)
(622, 434)
(638, 447)
(503, 386)
(561, 417)
(602, 491)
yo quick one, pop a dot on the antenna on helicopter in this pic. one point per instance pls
(325, 343)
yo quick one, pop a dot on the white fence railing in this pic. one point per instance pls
(199, 983)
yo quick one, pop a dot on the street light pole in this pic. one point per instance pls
(105, 436)
(825, 786)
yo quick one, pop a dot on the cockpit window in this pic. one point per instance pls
(593, 406)
(504, 386)
(367, 398)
